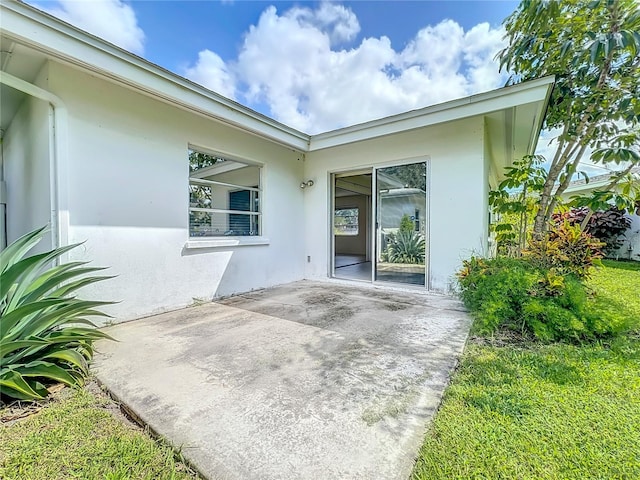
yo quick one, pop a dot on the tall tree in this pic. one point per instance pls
(593, 49)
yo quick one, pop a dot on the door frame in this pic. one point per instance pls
(373, 215)
(333, 175)
(374, 200)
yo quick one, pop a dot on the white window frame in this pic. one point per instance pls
(357, 224)
(227, 240)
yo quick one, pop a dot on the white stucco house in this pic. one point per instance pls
(186, 194)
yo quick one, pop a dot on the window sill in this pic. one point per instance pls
(225, 242)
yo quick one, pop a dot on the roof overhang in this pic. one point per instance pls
(514, 114)
(58, 40)
(583, 187)
(513, 132)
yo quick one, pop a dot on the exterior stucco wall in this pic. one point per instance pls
(491, 183)
(128, 199)
(25, 153)
(457, 183)
(127, 177)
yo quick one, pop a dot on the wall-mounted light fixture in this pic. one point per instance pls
(308, 183)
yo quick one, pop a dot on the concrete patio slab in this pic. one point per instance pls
(311, 380)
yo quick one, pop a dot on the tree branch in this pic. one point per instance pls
(564, 184)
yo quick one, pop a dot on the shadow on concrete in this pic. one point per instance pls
(307, 380)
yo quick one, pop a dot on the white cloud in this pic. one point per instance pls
(112, 20)
(211, 72)
(339, 22)
(482, 43)
(297, 63)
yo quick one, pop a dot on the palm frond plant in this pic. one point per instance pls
(46, 335)
(406, 247)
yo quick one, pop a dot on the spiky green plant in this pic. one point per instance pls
(406, 247)
(45, 332)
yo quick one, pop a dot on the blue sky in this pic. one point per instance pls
(315, 66)
(220, 26)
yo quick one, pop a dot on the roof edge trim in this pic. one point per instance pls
(29, 19)
(537, 90)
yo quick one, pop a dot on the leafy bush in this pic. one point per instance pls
(566, 249)
(45, 333)
(495, 291)
(406, 224)
(608, 226)
(519, 295)
(515, 203)
(405, 247)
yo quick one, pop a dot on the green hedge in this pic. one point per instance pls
(514, 294)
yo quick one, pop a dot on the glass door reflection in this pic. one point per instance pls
(401, 202)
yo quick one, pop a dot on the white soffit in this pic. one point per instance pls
(532, 92)
(513, 132)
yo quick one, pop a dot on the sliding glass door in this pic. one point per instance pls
(401, 208)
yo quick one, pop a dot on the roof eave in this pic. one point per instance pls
(62, 41)
(57, 39)
(503, 98)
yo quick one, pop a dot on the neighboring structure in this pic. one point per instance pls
(630, 249)
(186, 194)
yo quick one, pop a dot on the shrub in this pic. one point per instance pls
(45, 332)
(566, 249)
(608, 226)
(406, 224)
(515, 203)
(520, 295)
(561, 316)
(405, 247)
(495, 291)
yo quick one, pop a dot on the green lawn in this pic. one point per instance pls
(511, 412)
(544, 412)
(77, 436)
(618, 286)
